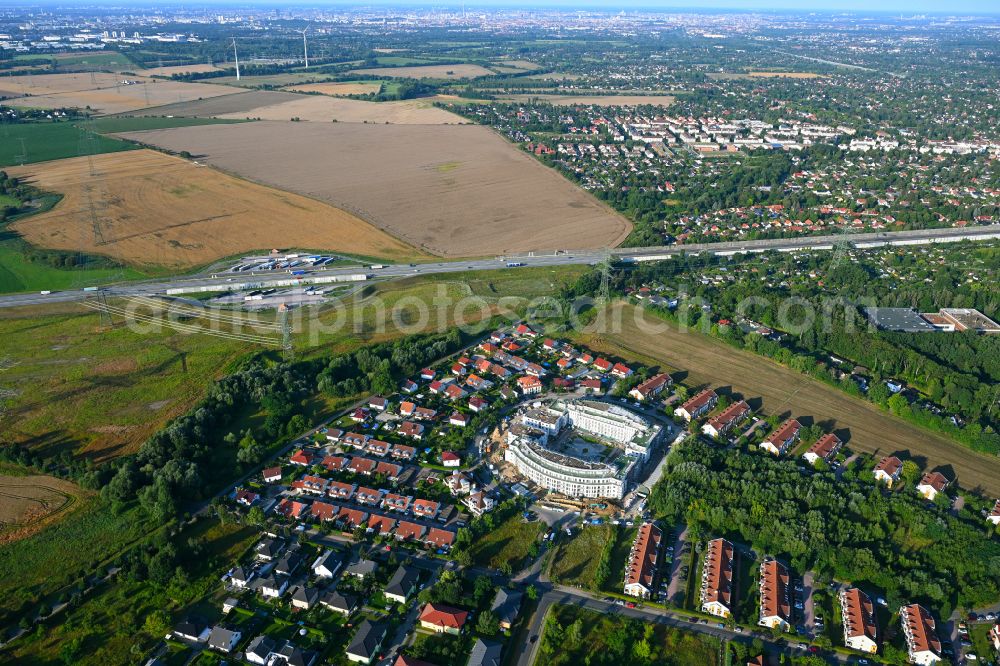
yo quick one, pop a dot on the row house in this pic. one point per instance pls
(335, 463)
(720, 424)
(377, 447)
(717, 579)
(395, 502)
(340, 490)
(825, 448)
(426, 508)
(775, 607)
(651, 388)
(403, 452)
(640, 572)
(860, 630)
(888, 470)
(369, 496)
(695, 407)
(922, 643)
(782, 439)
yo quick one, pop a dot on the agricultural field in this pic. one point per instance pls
(160, 210)
(284, 106)
(478, 195)
(785, 392)
(460, 71)
(28, 143)
(170, 70)
(28, 503)
(335, 88)
(506, 546)
(585, 636)
(593, 100)
(105, 93)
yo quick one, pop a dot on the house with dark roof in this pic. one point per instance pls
(223, 639)
(485, 653)
(364, 647)
(402, 584)
(361, 569)
(327, 565)
(506, 606)
(259, 650)
(304, 597)
(339, 603)
(193, 629)
(268, 549)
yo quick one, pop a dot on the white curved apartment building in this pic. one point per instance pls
(569, 475)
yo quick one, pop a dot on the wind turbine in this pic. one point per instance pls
(237, 56)
(305, 47)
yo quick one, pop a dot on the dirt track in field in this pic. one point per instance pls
(29, 503)
(154, 209)
(779, 390)
(448, 190)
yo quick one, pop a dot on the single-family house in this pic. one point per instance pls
(443, 619)
(888, 470)
(403, 584)
(506, 606)
(364, 647)
(223, 639)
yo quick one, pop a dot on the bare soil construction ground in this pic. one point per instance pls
(105, 94)
(162, 210)
(595, 100)
(334, 88)
(449, 190)
(786, 392)
(275, 105)
(29, 503)
(460, 71)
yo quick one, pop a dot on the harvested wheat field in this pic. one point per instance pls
(28, 503)
(461, 71)
(785, 392)
(335, 89)
(276, 105)
(54, 84)
(170, 70)
(449, 190)
(593, 100)
(144, 94)
(162, 210)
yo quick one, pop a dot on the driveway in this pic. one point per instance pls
(675, 590)
(809, 616)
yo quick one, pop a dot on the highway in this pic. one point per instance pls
(224, 281)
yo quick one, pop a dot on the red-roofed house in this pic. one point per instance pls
(381, 524)
(722, 423)
(272, 475)
(450, 459)
(782, 439)
(931, 484)
(334, 463)
(302, 458)
(592, 385)
(698, 405)
(395, 502)
(824, 449)
(246, 497)
(377, 447)
(406, 531)
(427, 374)
(378, 403)
(621, 370)
(411, 430)
(361, 466)
(443, 619)
(477, 404)
(888, 470)
(652, 387)
(426, 508)
(390, 470)
(369, 496)
(291, 509)
(438, 538)
(342, 491)
(322, 511)
(459, 419)
(351, 518)
(603, 364)
(403, 452)
(529, 385)
(525, 330)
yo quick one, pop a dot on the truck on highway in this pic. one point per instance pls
(514, 264)
(378, 266)
(297, 272)
(90, 288)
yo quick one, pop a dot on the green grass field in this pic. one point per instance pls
(28, 143)
(576, 560)
(507, 545)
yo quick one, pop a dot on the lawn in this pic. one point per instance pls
(507, 546)
(18, 273)
(619, 558)
(574, 635)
